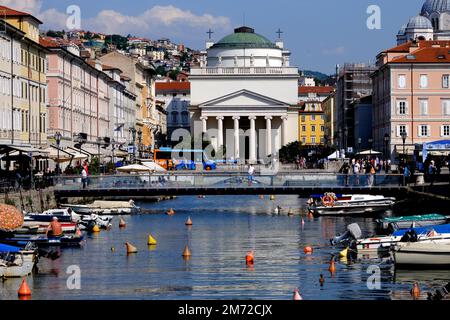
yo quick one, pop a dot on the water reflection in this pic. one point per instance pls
(224, 230)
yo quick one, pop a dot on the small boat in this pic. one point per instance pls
(63, 215)
(101, 207)
(389, 225)
(332, 204)
(423, 255)
(43, 241)
(380, 244)
(16, 262)
(36, 227)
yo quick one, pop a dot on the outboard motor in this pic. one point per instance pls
(409, 236)
(353, 233)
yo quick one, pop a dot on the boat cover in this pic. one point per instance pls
(444, 228)
(7, 248)
(415, 218)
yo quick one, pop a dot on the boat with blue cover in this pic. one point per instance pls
(389, 225)
(71, 240)
(16, 261)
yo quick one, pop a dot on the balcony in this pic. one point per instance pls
(245, 71)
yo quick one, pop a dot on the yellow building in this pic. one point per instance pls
(329, 108)
(30, 83)
(311, 124)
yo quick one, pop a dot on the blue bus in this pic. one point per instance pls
(186, 159)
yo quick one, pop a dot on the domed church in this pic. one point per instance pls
(433, 23)
(244, 96)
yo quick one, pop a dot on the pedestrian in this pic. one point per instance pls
(356, 169)
(84, 177)
(345, 169)
(406, 175)
(432, 171)
(251, 171)
(370, 172)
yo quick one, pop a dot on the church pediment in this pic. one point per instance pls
(243, 98)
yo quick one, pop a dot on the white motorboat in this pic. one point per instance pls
(16, 262)
(106, 208)
(63, 215)
(90, 221)
(332, 204)
(430, 254)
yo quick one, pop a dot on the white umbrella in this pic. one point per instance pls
(154, 166)
(134, 168)
(334, 155)
(368, 152)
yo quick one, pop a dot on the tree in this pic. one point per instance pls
(289, 152)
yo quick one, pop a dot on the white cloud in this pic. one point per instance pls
(29, 6)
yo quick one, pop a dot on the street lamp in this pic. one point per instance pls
(359, 144)
(99, 142)
(370, 145)
(386, 141)
(133, 140)
(139, 133)
(58, 137)
(404, 136)
(113, 144)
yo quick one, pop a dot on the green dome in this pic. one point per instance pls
(244, 37)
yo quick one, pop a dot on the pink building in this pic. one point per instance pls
(78, 95)
(411, 94)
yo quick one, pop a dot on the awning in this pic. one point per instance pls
(4, 148)
(441, 147)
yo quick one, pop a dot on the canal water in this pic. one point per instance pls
(224, 229)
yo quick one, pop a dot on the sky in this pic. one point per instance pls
(319, 33)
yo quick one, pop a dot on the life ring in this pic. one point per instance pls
(328, 201)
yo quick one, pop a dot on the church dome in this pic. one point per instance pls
(431, 6)
(244, 37)
(419, 22)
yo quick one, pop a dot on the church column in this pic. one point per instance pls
(252, 153)
(236, 136)
(219, 132)
(268, 135)
(284, 130)
(204, 127)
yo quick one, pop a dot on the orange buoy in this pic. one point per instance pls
(130, 248)
(122, 223)
(415, 291)
(308, 250)
(321, 280)
(170, 212)
(188, 222)
(332, 267)
(24, 289)
(186, 252)
(297, 295)
(249, 258)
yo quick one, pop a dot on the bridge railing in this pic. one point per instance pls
(227, 180)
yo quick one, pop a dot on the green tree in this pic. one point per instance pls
(289, 152)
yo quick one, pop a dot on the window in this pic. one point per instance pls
(322, 128)
(446, 107)
(402, 107)
(303, 140)
(313, 140)
(303, 118)
(303, 128)
(313, 128)
(423, 81)
(322, 117)
(313, 118)
(423, 104)
(424, 130)
(445, 81)
(402, 81)
(401, 129)
(445, 130)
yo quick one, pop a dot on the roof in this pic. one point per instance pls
(244, 37)
(431, 6)
(48, 42)
(173, 86)
(8, 12)
(419, 22)
(431, 51)
(106, 67)
(319, 90)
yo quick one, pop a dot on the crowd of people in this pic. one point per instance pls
(364, 167)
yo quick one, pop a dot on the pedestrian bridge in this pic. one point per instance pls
(219, 183)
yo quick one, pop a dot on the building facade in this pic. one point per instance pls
(244, 96)
(329, 109)
(411, 95)
(176, 96)
(23, 80)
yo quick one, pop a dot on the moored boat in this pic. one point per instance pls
(423, 255)
(106, 208)
(16, 262)
(356, 204)
(63, 215)
(43, 241)
(389, 225)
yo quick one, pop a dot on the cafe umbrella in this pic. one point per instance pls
(10, 218)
